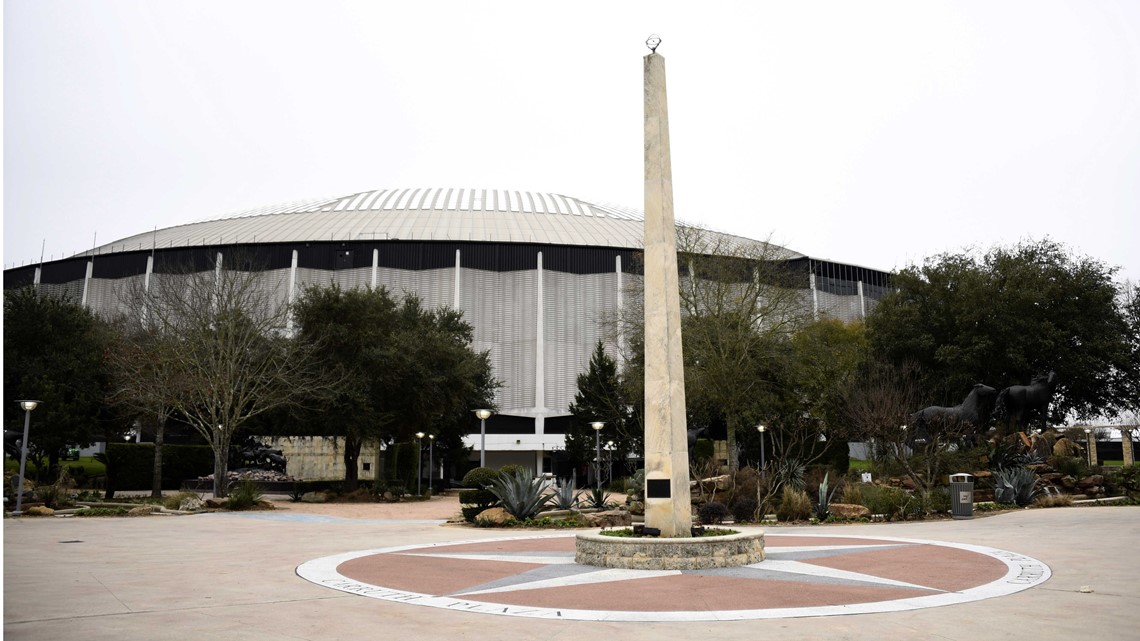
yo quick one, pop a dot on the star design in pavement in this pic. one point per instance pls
(787, 563)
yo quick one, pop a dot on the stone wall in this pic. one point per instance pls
(319, 457)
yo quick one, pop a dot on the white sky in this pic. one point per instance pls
(873, 133)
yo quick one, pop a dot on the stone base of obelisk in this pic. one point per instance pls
(648, 553)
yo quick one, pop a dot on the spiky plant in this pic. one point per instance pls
(824, 502)
(520, 495)
(565, 496)
(1016, 485)
(598, 498)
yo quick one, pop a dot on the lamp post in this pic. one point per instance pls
(598, 425)
(1089, 445)
(762, 429)
(610, 461)
(483, 416)
(431, 462)
(27, 406)
(419, 462)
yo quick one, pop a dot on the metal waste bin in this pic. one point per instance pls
(962, 496)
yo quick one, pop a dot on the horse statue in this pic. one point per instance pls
(966, 419)
(1017, 403)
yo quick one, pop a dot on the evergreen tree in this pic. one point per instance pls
(601, 397)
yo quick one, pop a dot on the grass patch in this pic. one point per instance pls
(103, 511)
(860, 465)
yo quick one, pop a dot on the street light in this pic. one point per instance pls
(431, 463)
(762, 429)
(598, 425)
(419, 462)
(1089, 445)
(483, 416)
(27, 406)
(610, 447)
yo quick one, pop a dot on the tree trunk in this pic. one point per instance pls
(733, 455)
(221, 467)
(156, 481)
(351, 454)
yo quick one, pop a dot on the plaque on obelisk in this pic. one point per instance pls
(667, 503)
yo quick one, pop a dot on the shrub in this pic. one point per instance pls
(510, 469)
(794, 506)
(244, 496)
(891, 502)
(476, 495)
(712, 512)
(174, 501)
(521, 495)
(130, 466)
(744, 509)
(1123, 480)
(824, 501)
(1073, 466)
(936, 501)
(701, 451)
(852, 494)
(1059, 500)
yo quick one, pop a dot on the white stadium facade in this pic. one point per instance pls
(536, 274)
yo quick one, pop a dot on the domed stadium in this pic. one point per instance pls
(536, 274)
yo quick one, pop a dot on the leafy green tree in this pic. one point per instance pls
(54, 352)
(601, 397)
(1005, 316)
(404, 369)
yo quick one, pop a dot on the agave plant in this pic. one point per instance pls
(565, 496)
(1015, 485)
(520, 495)
(598, 498)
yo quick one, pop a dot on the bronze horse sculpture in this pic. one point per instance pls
(1017, 403)
(965, 420)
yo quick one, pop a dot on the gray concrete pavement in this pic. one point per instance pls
(232, 576)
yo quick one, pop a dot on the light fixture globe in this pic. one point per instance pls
(28, 406)
(483, 414)
(597, 425)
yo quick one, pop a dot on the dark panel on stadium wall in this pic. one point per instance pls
(119, 265)
(257, 258)
(557, 424)
(837, 273)
(19, 277)
(500, 424)
(184, 259)
(64, 271)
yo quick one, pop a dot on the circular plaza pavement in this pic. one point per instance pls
(804, 575)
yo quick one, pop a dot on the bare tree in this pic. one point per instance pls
(879, 405)
(213, 348)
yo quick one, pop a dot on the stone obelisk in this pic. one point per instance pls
(667, 503)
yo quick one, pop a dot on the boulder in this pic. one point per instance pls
(216, 503)
(142, 510)
(39, 510)
(610, 518)
(191, 504)
(315, 497)
(493, 516)
(848, 510)
(1064, 448)
(1090, 481)
(1068, 482)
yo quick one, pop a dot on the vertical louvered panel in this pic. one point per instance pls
(579, 309)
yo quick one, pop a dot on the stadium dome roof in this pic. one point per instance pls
(424, 214)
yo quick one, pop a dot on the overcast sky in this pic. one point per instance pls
(873, 133)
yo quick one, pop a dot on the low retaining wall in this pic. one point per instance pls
(648, 553)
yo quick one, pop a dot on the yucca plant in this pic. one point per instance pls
(822, 505)
(565, 496)
(520, 495)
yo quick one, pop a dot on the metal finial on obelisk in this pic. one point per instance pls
(653, 42)
(667, 503)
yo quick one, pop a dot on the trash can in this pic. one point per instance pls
(962, 496)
